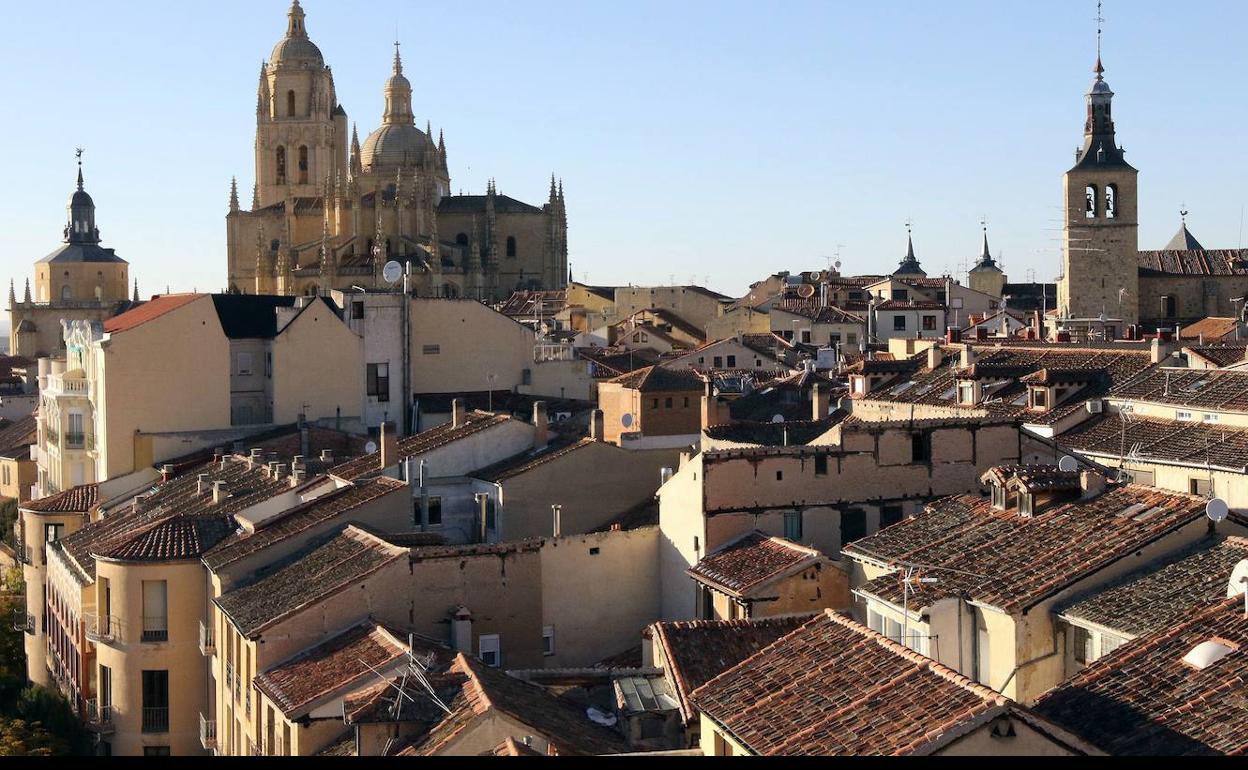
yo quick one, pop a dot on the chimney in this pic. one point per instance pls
(557, 512)
(461, 630)
(483, 509)
(298, 463)
(298, 478)
(305, 442)
(598, 425)
(541, 422)
(255, 458)
(327, 456)
(968, 356)
(820, 402)
(1092, 483)
(217, 454)
(953, 336)
(201, 484)
(935, 357)
(665, 475)
(981, 333)
(1162, 347)
(458, 414)
(279, 471)
(389, 445)
(218, 492)
(166, 473)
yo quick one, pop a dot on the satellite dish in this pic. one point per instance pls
(778, 419)
(627, 421)
(1068, 464)
(806, 291)
(392, 272)
(370, 447)
(838, 265)
(1217, 510)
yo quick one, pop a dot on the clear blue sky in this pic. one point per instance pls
(721, 139)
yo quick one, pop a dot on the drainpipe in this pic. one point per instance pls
(407, 349)
(424, 499)
(1025, 664)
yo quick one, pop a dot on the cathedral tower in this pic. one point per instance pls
(1100, 256)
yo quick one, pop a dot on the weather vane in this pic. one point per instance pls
(1100, 25)
(78, 154)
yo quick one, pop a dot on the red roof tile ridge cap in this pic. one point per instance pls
(759, 654)
(481, 695)
(677, 675)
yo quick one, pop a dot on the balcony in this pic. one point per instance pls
(156, 720)
(62, 385)
(99, 718)
(103, 629)
(207, 733)
(23, 621)
(207, 643)
(76, 441)
(155, 630)
(229, 677)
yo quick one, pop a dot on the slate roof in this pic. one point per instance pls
(1169, 441)
(659, 379)
(1210, 328)
(894, 304)
(91, 253)
(698, 651)
(421, 443)
(241, 544)
(19, 435)
(297, 684)
(149, 311)
(836, 688)
(249, 316)
(476, 204)
(614, 362)
(798, 433)
(1183, 240)
(77, 500)
(1213, 389)
(751, 561)
(1221, 355)
(1011, 562)
(1164, 594)
(1143, 700)
(523, 463)
(306, 579)
(819, 314)
(1210, 262)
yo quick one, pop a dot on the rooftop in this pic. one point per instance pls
(836, 688)
(149, 311)
(1159, 440)
(77, 500)
(1144, 700)
(659, 379)
(523, 463)
(1012, 562)
(1211, 389)
(421, 443)
(1209, 329)
(752, 560)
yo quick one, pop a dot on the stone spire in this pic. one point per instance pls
(12, 293)
(136, 289)
(234, 195)
(554, 191)
(1100, 143)
(398, 93)
(263, 96)
(26, 296)
(81, 226)
(295, 26)
(910, 265)
(255, 197)
(357, 166)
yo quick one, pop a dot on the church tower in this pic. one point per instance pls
(1100, 256)
(301, 130)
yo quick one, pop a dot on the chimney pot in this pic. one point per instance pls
(201, 484)
(218, 492)
(389, 445)
(598, 425)
(166, 472)
(327, 456)
(541, 421)
(459, 414)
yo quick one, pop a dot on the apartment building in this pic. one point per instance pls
(653, 407)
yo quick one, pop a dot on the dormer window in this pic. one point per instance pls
(966, 394)
(999, 498)
(1039, 398)
(1026, 504)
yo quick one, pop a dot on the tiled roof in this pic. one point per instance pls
(1011, 562)
(485, 689)
(798, 433)
(1035, 478)
(77, 500)
(531, 303)
(1200, 388)
(1209, 328)
(240, 543)
(819, 314)
(1226, 354)
(1208, 262)
(298, 683)
(1171, 441)
(751, 561)
(614, 362)
(523, 463)
(149, 311)
(1143, 700)
(659, 379)
(513, 748)
(698, 651)
(836, 688)
(909, 305)
(308, 578)
(421, 443)
(470, 204)
(19, 435)
(1163, 595)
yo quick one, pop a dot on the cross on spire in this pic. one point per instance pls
(78, 154)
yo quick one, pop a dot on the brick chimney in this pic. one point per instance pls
(1092, 483)
(820, 402)
(968, 356)
(166, 473)
(541, 424)
(935, 357)
(598, 425)
(389, 445)
(459, 414)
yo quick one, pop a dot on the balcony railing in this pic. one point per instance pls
(23, 551)
(207, 643)
(60, 385)
(207, 733)
(156, 720)
(76, 441)
(247, 702)
(155, 630)
(102, 628)
(99, 718)
(229, 677)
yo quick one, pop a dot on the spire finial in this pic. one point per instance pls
(1100, 31)
(398, 60)
(1183, 212)
(234, 193)
(910, 240)
(78, 154)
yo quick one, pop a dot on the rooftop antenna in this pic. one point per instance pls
(1100, 27)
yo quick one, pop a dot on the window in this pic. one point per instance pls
(1111, 201)
(1090, 195)
(779, 475)
(511, 247)
(155, 611)
(1039, 398)
(290, 104)
(548, 640)
(303, 165)
(1110, 643)
(655, 404)
(793, 526)
(821, 465)
(462, 239)
(686, 402)
(357, 311)
(66, 293)
(890, 515)
(668, 403)
(719, 362)
(929, 323)
(1210, 417)
(921, 447)
(52, 532)
(1183, 416)
(806, 337)
(156, 751)
(435, 511)
(1143, 478)
(1169, 307)
(432, 350)
(901, 295)
(1201, 487)
(966, 393)
(379, 382)
(243, 364)
(1081, 645)
(852, 339)
(899, 323)
(875, 621)
(853, 525)
(155, 701)
(490, 651)
(526, 377)
(281, 165)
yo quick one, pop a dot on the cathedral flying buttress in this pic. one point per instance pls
(329, 211)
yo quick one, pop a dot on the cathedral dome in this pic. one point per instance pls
(395, 145)
(296, 51)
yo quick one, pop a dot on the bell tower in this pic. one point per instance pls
(1100, 259)
(301, 130)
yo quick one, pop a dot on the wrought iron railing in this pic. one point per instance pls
(101, 628)
(207, 641)
(207, 732)
(156, 719)
(155, 630)
(99, 718)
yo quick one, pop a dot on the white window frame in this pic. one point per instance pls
(548, 641)
(246, 366)
(490, 644)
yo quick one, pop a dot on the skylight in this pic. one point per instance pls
(1207, 653)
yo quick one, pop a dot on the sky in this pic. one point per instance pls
(708, 141)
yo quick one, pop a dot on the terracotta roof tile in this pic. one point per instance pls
(751, 561)
(77, 500)
(1222, 355)
(1209, 328)
(658, 379)
(1198, 388)
(1170, 441)
(149, 311)
(426, 441)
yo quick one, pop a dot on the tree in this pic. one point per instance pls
(19, 738)
(12, 651)
(8, 517)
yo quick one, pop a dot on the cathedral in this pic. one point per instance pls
(328, 212)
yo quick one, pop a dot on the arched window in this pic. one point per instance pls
(462, 239)
(511, 246)
(66, 293)
(281, 165)
(312, 290)
(1111, 201)
(303, 165)
(290, 104)
(1090, 207)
